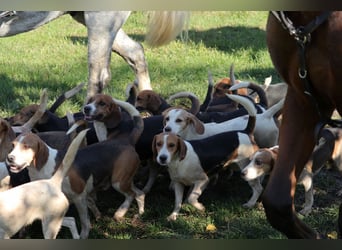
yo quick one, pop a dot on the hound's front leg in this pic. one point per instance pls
(307, 182)
(196, 192)
(70, 223)
(179, 190)
(257, 190)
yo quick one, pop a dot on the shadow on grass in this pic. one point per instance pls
(226, 39)
(16, 94)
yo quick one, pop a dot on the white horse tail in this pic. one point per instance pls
(165, 26)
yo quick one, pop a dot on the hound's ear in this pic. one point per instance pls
(165, 114)
(198, 125)
(7, 134)
(41, 156)
(154, 148)
(90, 99)
(154, 101)
(115, 117)
(166, 111)
(275, 150)
(182, 148)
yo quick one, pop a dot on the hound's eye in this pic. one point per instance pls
(258, 162)
(179, 120)
(172, 145)
(101, 103)
(167, 118)
(138, 98)
(159, 144)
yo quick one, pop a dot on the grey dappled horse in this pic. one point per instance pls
(104, 35)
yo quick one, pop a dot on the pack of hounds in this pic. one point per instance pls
(65, 160)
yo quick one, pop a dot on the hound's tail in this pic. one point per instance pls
(138, 123)
(131, 92)
(249, 106)
(267, 82)
(208, 96)
(68, 158)
(165, 26)
(38, 114)
(66, 95)
(256, 88)
(324, 150)
(274, 110)
(195, 103)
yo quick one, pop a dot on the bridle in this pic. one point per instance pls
(302, 36)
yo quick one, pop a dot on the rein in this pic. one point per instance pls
(302, 35)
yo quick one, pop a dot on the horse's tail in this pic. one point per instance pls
(165, 26)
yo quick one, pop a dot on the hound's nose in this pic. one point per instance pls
(10, 158)
(86, 110)
(167, 129)
(162, 159)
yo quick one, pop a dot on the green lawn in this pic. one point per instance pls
(55, 57)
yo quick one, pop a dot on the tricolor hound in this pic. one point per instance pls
(112, 162)
(189, 127)
(188, 162)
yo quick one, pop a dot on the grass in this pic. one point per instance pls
(55, 57)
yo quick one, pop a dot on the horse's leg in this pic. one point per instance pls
(133, 53)
(102, 28)
(296, 143)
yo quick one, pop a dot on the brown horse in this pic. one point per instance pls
(306, 50)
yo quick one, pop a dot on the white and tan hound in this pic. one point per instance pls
(263, 160)
(41, 199)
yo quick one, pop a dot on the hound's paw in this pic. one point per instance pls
(199, 206)
(305, 211)
(172, 217)
(196, 204)
(98, 216)
(249, 205)
(118, 218)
